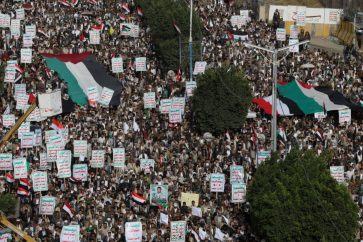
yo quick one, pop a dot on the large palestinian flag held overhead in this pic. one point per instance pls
(82, 71)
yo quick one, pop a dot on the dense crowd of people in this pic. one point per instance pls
(184, 159)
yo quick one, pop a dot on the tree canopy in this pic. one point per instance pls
(298, 200)
(221, 100)
(160, 15)
(7, 203)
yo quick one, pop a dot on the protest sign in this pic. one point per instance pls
(64, 168)
(118, 157)
(177, 231)
(147, 164)
(24, 128)
(337, 172)
(20, 13)
(159, 195)
(140, 63)
(52, 152)
(19, 89)
(189, 198)
(15, 28)
(106, 96)
(301, 16)
(80, 172)
(175, 116)
(10, 75)
(70, 233)
(8, 120)
(27, 40)
(295, 48)
(22, 102)
(26, 56)
(94, 37)
(50, 104)
(31, 29)
(56, 139)
(345, 117)
(64, 133)
(197, 212)
(189, 87)
(20, 168)
(294, 32)
(280, 34)
(37, 137)
(49, 133)
(164, 219)
(35, 116)
(178, 103)
(236, 174)
(79, 148)
(238, 193)
(5, 20)
(217, 181)
(46, 205)
(40, 181)
(128, 29)
(64, 155)
(237, 20)
(133, 231)
(6, 161)
(43, 161)
(320, 115)
(149, 100)
(6, 237)
(262, 155)
(117, 65)
(165, 105)
(98, 159)
(27, 140)
(199, 67)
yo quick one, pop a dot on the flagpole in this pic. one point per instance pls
(180, 51)
(191, 42)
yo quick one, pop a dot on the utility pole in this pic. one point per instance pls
(275, 63)
(191, 41)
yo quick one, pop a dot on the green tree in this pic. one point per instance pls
(7, 203)
(298, 200)
(160, 15)
(221, 100)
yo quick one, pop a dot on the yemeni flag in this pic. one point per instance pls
(122, 17)
(139, 11)
(94, 2)
(19, 68)
(178, 75)
(43, 32)
(82, 71)
(56, 125)
(32, 98)
(10, 178)
(22, 191)
(74, 2)
(125, 7)
(138, 198)
(68, 209)
(65, 3)
(24, 182)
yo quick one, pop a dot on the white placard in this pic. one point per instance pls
(140, 63)
(15, 28)
(5, 21)
(280, 34)
(22, 102)
(47, 205)
(98, 159)
(6, 160)
(295, 48)
(64, 169)
(217, 181)
(118, 157)
(27, 140)
(31, 29)
(199, 67)
(178, 103)
(37, 137)
(133, 231)
(79, 148)
(345, 117)
(70, 233)
(24, 128)
(300, 16)
(80, 172)
(175, 116)
(106, 96)
(20, 13)
(117, 65)
(189, 87)
(320, 115)
(27, 40)
(149, 100)
(40, 181)
(128, 29)
(8, 120)
(147, 164)
(26, 56)
(94, 37)
(52, 151)
(337, 172)
(262, 155)
(49, 133)
(238, 193)
(294, 32)
(177, 231)
(238, 20)
(43, 161)
(165, 106)
(10, 75)
(20, 168)
(64, 155)
(236, 174)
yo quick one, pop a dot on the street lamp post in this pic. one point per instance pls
(275, 62)
(191, 41)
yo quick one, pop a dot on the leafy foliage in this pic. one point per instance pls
(7, 203)
(160, 16)
(297, 200)
(221, 100)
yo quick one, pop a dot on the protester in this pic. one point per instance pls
(184, 160)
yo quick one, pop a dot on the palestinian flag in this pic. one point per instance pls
(10, 178)
(285, 107)
(67, 207)
(137, 198)
(82, 71)
(125, 28)
(22, 191)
